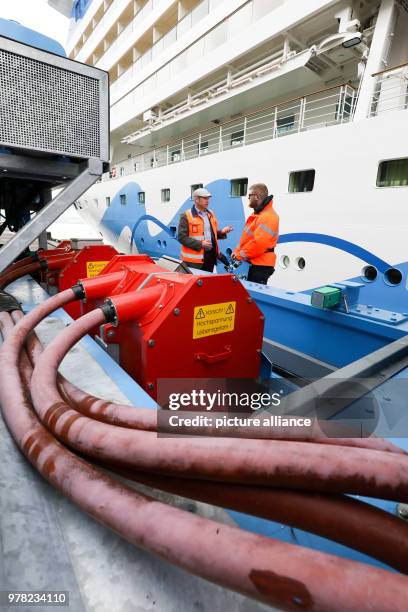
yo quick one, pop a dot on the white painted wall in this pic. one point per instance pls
(345, 201)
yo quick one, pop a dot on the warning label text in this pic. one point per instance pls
(94, 267)
(213, 319)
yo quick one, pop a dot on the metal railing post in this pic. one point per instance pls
(341, 104)
(275, 123)
(199, 145)
(245, 131)
(220, 145)
(301, 113)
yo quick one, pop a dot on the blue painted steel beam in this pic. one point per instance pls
(333, 336)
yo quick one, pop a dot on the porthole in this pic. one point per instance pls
(392, 276)
(369, 273)
(300, 263)
(284, 261)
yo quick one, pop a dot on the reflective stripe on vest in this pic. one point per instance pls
(187, 256)
(267, 229)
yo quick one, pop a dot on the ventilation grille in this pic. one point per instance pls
(47, 108)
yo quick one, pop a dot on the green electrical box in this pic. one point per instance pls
(326, 297)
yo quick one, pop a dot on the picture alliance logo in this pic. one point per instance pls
(220, 399)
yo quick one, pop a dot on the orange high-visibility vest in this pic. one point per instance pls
(259, 238)
(196, 230)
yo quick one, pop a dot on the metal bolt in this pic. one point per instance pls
(234, 278)
(297, 600)
(249, 300)
(150, 386)
(110, 333)
(199, 282)
(176, 311)
(262, 318)
(402, 511)
(259, 350)
(160, 306)
(151, 342)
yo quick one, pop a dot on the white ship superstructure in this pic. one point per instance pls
(308, 97)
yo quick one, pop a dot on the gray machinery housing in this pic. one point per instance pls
(54, 132)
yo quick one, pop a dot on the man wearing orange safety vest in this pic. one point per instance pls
(260, 235)
(198, 233)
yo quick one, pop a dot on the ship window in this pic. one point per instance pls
(107, 201)
(141, 197)
(285, 124)
(121, 171)
(393, 173)
(237, 138)
(202, 148)
(194, 187)
(301, 181)
(165, 195)
(239, 187)
(175, 156)
(173, 230)
(136, 166)
(122, 198)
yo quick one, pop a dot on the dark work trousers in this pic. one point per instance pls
(210, 258)
(260, 274)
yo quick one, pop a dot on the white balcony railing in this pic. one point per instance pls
(136, 21)
(319, 109)
(227, 29)
(175, 34)
(390, 91)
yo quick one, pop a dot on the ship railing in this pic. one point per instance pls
(137, 19)
(390, 90)
(231, 80)
(327, 107)
(172, 36)
(226, 29)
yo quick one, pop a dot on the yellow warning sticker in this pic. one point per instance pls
(94, 267)
(213, 319)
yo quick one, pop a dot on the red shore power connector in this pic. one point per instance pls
(199, 327)
(65, 270)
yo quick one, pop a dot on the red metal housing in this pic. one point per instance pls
(86, 263)
(200, 326)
